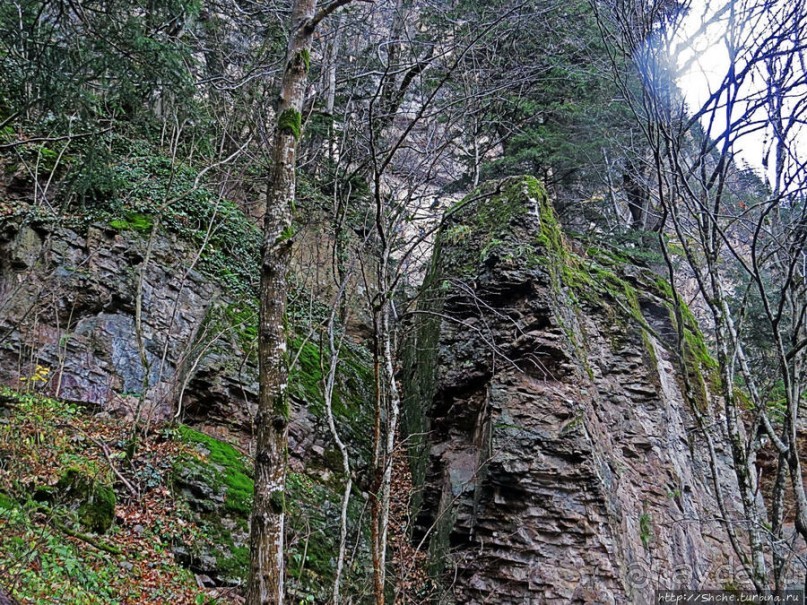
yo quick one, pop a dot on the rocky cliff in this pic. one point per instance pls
(132, 308)
(97, 309)
(557, 457)
(559, 460)
(112, 315)
(69, 307)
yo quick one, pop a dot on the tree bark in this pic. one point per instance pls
(266, 574)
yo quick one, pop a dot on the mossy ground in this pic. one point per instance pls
(44, 441)
(139, 187)
(95, 500)
(46, 555)
(221, 471)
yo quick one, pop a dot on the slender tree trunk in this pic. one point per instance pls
(267, 569)
(329, 384)
(268, 514)
(378, 462)
(393, 412)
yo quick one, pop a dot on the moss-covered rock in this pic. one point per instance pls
(93, 501)
(215, 483)
(56, 494)
(221, 466)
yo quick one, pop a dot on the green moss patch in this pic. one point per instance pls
(481, 225)
(230, 469)
(312, 510)
(290, 122)
(133, 221)
(701, 367)
(140, 186)
(313, 538)
(353, 392)
(216, 486)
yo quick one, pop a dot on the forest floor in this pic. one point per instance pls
(57, 542)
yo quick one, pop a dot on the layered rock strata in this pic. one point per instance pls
(559, 460)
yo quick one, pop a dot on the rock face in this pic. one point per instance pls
(68, 314)
(558, 457)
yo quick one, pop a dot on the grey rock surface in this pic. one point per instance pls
(68, 306)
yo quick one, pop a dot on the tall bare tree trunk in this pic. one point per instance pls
(266, 540)
(266, 571)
